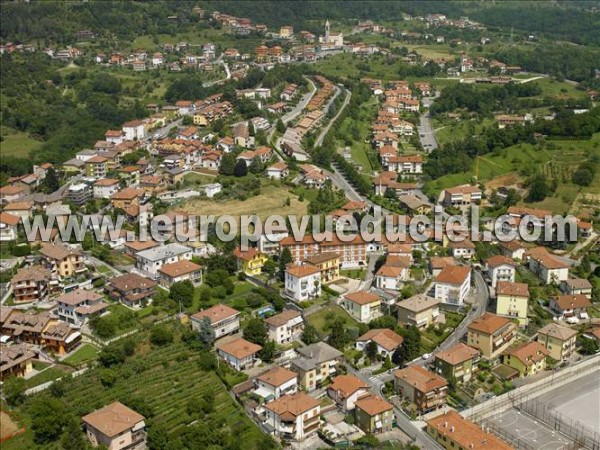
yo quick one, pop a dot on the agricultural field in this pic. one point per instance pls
(166, 380)
(272, 200)
(17, 143)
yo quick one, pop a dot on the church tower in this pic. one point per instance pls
(327, 31)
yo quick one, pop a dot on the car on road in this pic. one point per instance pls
(422, 135)
(426, 356)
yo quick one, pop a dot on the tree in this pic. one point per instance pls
(338, 338)
(268, 351)
(256, 331)
(583, 176)
(14, 390)
(161, 335)
(538, 189)
(227, 166)
(412, 342)
(390, 194)
(206, 333)
(284, 259)
(50, 182)
(182, 292)
(280, 126)
(241, 168)
(72, 436)
(256, 166)
(48, 417)
(187, 120)
(588, 346)
(371, 350)
(399, 356)
(310, 335)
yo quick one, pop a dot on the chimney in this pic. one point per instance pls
(452, 429)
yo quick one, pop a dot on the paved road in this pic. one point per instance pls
(319, 140)
(425, 129)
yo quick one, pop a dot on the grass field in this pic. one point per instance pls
(85, 353)
(559, 89)
(17, 143)
(166, 379)
(46, 375)
(327, 315)
(272, 200)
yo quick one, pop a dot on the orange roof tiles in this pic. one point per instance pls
(362, 297)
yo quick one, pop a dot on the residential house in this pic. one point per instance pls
(302, 282)
(464, 248)
(240, 353)
(491, 334)
(570, 305)
(285, 327)
(461, 196)
(79, 193)
(22, 210)
(293, 417)
(512, 249)
(278, 171)
(275, 383)
(62, 260)
(345, 390)
(452, 431)
(575, 286)
(33, 284)
(317, 363)
(250, 261)
(414, 205)
(548, 268)
(560, 341)
(131, 289)
(151, 260)
(438, 263)
(418, 310)
(96, 167)
(512, 300)
(387, 341)
(223, 320)
(426, 390)
(373, 414)
(116, 427)
(327, 263)
(133, 247)
(362, 305)
(105, 188)
(459, 361)
(452, 284)
(134, 130)
(9, 194)
(500, 268)
(9, 227)
(527, 359)
(182, 270)
(16, 360)
(78, 305)
(127, 197)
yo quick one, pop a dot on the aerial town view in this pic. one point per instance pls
(260, 224)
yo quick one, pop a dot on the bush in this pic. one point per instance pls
(161, 335)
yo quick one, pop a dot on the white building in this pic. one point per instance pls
(269, 243)
(105, 188)
(223, 320)
(285, 327)
(390, 277)
(212, 189)
(364, 306)
(549, 269)
(134, 130)
(153, 259)
(500, 268)
(180, 271)
(77, 306)
(452, 284)
(302, 282)
(276, 382)
(345, 390)
(239, 354)
(387, 341)
(293, 417)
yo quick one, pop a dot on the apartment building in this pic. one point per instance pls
(560, 341)
(293, 417)
(302, 282)
(512, 300)
(491, 335)
(452, 284)
(316, 363)
(34, 284)
(424, 389)
(526, 359)
(223, 320)
(345, 390)
(151, 260)
(500, 268)
(131, 289)
(459, 361)
(285, 327)
(62, 260)
(462, 196)
(418, 310)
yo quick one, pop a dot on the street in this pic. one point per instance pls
(425, 129)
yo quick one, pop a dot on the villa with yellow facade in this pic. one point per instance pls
(512, 300)
(250, 261)
(527, 359)
(327, 263)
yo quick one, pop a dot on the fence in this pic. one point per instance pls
(515, 440)
(581, 434)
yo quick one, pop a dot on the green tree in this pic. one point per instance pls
(310, 335)
(187, 121)
(538, 189)
(256, 331)
(227, 166)
(14, 390)
(206, 333)
(161, 335)
(50, 182)
(268, 351)
(182, 291)
(284, 259)
(241, 168)
(256, 166)
(338, 338)
(371, 350)
(48, 417)
(72, 437)
(280, 126)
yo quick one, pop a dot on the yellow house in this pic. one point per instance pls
(201, 120)
(250, 261)
(527, 359)
(362, 305)
(62, 260)
(558, 340)
(491, 334)
(328, 264)
(512, 300)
